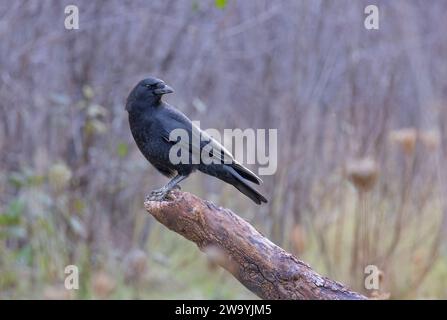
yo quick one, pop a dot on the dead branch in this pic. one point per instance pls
(230, 241)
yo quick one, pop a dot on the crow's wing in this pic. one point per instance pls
(199, 139)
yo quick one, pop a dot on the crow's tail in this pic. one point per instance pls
(238, 176)
(238, 182)
(245, 173)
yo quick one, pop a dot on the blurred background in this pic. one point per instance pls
(361, 118)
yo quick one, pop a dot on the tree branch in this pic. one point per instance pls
(231, 242)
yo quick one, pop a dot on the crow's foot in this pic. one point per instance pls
(157, 195)
(160, 194)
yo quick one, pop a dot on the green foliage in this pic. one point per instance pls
(122, 149)
(220, 4)
(25, 178)
(11, 221)
(95, 114)
(12, 215)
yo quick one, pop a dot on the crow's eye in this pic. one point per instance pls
(151, 86)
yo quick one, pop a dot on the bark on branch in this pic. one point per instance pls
(264, 268)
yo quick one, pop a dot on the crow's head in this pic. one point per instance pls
(153, 87)
(150, 90)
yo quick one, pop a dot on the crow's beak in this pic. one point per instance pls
(164, 90)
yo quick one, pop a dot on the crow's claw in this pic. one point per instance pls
(157, 195)
(161, 194)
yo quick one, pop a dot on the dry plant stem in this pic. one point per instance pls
(405, 194)
(434, 251)
(356, 236)
(378, 225)
(320, 230)
(360, 256)
(261, 266)
(340, 227)
(365, 236)
(431, 260)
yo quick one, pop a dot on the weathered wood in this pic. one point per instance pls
(264, 268)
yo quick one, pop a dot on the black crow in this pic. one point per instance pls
(151, 121)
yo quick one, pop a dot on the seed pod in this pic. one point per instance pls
(362, 173)
(405, 138)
